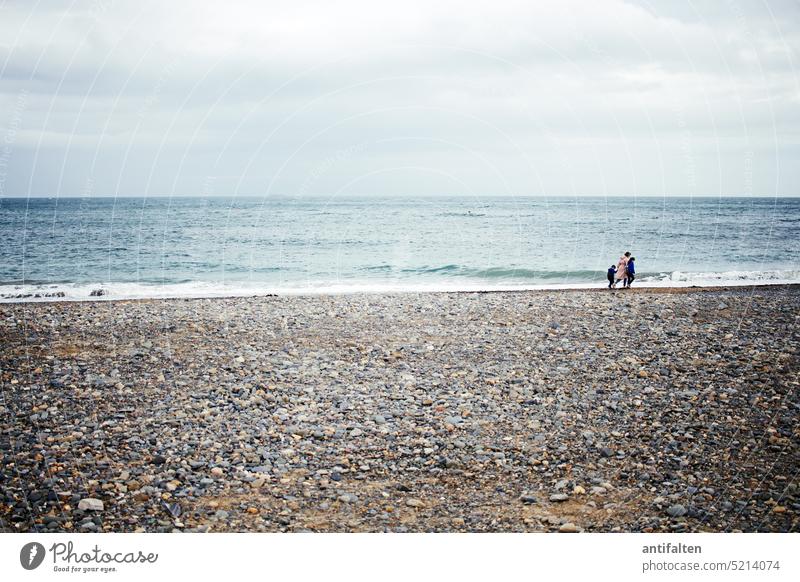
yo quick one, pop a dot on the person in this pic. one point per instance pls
(612, 270)
(631, 271)
(622, 270)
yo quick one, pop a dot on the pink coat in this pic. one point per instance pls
(622, 268)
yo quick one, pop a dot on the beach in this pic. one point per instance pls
(659, 410)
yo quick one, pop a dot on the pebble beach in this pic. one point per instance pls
(662, 410)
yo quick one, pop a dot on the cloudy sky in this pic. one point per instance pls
(410, 98)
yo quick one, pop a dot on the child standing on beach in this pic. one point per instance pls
(631, 272)
(612, 270)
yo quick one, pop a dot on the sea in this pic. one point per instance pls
(97, 248)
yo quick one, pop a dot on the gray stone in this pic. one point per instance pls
(90, 504)
(676, 510)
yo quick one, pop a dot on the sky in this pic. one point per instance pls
(413, 98)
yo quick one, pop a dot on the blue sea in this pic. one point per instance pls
(195, 247)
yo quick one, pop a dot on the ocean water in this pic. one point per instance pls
(162, 247)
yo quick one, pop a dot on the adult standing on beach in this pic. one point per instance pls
(622, 269)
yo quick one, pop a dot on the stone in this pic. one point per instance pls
(559, 497)
(676, 510)
(90, 504)
(569, 528)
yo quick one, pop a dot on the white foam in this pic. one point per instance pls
(121, 291)
(705, 279)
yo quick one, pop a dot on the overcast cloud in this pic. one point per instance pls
(402, 98)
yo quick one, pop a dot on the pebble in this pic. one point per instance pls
(676, 511)
(90, 504)
(460, 399)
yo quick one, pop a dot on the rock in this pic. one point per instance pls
(411, 502)
(676, 510)
(90, 504)
(569, 528)
(174, 509)
(559, 497)
(378, 419)
(217, 472)
(528, 499)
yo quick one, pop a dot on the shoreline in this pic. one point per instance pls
(300, 293)
(571, 410)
